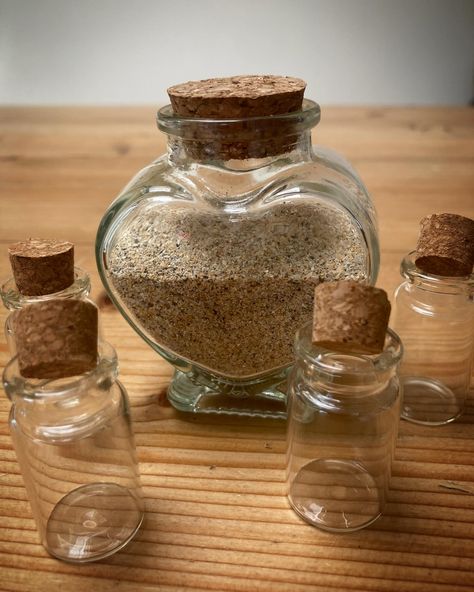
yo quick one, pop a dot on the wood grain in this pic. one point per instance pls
(217, 518)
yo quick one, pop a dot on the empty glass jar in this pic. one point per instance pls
(343, 413)
(213, 256)
(76, 452)
(14, 300)
(434, 316)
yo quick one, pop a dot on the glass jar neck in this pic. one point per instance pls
(239, 143)
(66, 407)
(13, 299)
(347, 375)
(419, 279)
(183, 153)
(49, 391)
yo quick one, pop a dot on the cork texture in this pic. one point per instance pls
(350, 317)
(42, 266)
(239, 98)
(446, 245)
(56, 339)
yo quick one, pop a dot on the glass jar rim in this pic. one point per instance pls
(190, 127)
(410, 271)
(34, 389)
(332, 362)
(13, 299)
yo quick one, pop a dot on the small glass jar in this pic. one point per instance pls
(14, 300)
(434, 316)
(343, 413)
(213, 251)
(75, 447)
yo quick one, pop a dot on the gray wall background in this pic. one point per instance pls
(129, 51)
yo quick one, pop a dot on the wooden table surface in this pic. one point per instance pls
(217, 517)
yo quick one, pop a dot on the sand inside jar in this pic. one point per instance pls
(229, 292)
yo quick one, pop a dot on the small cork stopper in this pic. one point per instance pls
(237, 97)
(350, 317)
(56, 339)
(42, 266)
(446, 245)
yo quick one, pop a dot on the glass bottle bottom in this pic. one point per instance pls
(93, 522)
(335, 495)
(428, 401)
(198, 392)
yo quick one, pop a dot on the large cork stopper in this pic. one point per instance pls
(446, 245)
(236, 99)
(42, 266)
(56, 339)
(350, 317)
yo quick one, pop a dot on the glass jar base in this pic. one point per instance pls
(199, 393)
(428, 401)
(335, 495)
(93, 522)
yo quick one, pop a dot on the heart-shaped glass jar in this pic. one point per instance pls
(213, 257)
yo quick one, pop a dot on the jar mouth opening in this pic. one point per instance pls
(334, 362)
(195, 127)
(57, 388)
(411, 271)
(13, 299)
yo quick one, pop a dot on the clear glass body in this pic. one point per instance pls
(213, 258)
(14, 300)
(343, 413)
(434, 317)
(75, 447)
